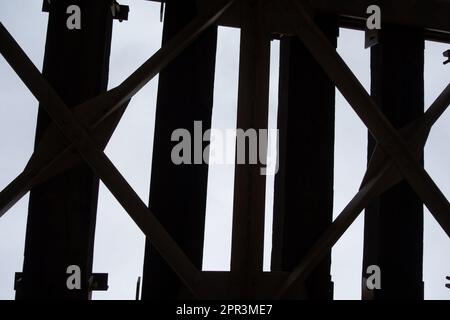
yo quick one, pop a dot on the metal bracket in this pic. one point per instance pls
(98, 282)
(371, 38)
(119, 12)
(46, 5)
(18, 280)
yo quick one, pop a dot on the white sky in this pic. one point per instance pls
(119, 244)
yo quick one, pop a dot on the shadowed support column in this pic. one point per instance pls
(62, 211)
(249, 182)
(393, 233)
(303, 195)
(178, 192)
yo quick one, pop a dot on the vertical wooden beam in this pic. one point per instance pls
(394, 221)
(178, 192)
(62, 211)
(250, 184)
(303, 194)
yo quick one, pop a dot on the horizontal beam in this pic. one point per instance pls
(431, 15)
(227, 287)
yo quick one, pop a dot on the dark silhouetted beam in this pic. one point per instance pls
(303, 196)
(62, 211)
(250, 184)
(178, 192)
(393, 232)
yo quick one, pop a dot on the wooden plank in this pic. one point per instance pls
(185, 95)
(250, 184)
(76, 64)
(393, 229)
(303, 194)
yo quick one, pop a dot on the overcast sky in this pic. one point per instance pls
(119, 244)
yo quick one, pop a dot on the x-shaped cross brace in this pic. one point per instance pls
(89, 127)
(393, 159)
(78, 128)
